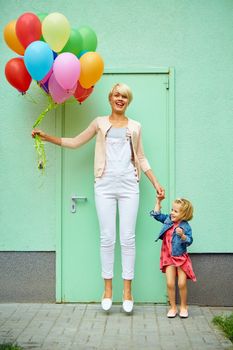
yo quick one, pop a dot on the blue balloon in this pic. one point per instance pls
(38, 59)
(82, 53)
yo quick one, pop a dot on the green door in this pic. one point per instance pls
(80, 269)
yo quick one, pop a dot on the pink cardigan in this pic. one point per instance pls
(99, 126)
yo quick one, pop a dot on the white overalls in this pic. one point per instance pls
(118, 185)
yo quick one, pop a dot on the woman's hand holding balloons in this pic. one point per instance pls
(39, 133)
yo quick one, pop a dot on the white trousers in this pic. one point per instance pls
(120, 190)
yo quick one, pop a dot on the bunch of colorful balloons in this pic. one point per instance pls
(61, 59)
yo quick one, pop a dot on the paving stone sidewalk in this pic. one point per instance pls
(86, 326)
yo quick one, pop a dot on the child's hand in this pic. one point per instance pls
(179, 231)
(160, 197)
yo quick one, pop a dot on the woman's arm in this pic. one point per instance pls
(70, 142)
(147, 169)
(82, 138)
(160, 190)
(45, 137)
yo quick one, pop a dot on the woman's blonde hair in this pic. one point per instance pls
(123, 90)
(186, 208)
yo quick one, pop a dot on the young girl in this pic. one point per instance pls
(176, 234)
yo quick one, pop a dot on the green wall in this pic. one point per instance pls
(195, 37)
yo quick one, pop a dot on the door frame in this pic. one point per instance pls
(59, 120)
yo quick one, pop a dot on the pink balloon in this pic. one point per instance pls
(66, 69)
(46, 78)
(59, 94)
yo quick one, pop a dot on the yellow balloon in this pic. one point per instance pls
(56, 30)
(92, 67)
(11, 38)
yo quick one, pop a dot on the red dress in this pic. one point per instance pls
(166, 259)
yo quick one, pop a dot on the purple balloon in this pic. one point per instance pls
(54, 55)
(59, 94)
(66, 69)
(46, 78)
(45, 86)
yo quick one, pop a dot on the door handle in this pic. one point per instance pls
(74, 200)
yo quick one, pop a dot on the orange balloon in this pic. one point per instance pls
(11, 38)
(92, 67)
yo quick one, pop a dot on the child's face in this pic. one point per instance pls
(176, 212)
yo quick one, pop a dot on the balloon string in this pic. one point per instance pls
(52, 105)
(39, 145)
(69, 102)
(30, 98)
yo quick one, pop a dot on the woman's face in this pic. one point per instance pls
(119, 101)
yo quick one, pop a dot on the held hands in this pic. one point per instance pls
(160, 192)
(160, 196)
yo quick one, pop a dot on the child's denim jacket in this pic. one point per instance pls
(179, 246)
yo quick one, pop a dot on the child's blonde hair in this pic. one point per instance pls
(186, 208)
(123, 89)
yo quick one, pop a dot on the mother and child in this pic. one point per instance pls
(119, 160)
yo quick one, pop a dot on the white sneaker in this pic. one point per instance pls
(127, 306)
(106, 304)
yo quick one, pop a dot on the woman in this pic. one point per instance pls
(119, 159)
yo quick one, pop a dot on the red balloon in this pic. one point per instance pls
(81, 94)
(17, 74)
(28, 28)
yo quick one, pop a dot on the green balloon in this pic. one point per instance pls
(74, 44)
(89, 38)
(41, 17)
